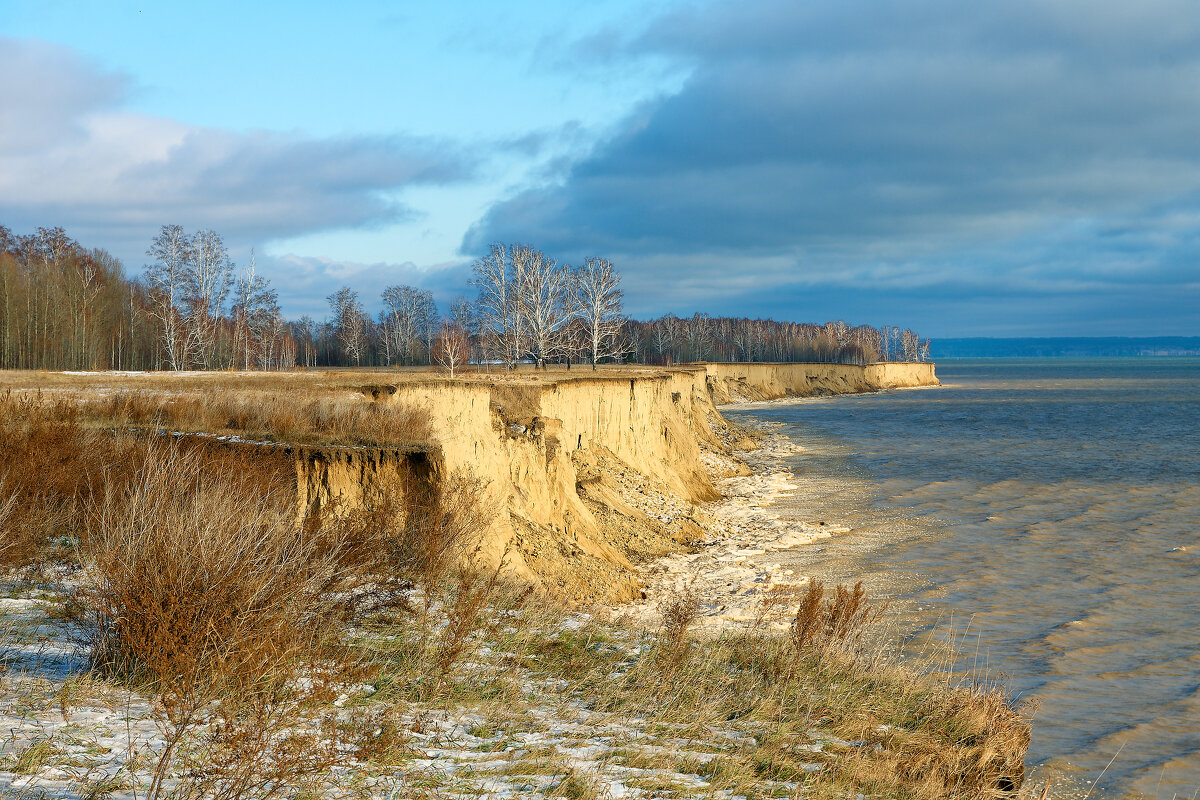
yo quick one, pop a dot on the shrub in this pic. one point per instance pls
(822, 622)
(200, 588)
(50, 468)
(679, 612)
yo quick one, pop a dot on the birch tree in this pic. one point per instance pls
(408, 313)
(699, 335)
(167, 276)
(542, 294)
(910, 345)
(349, 322)
(255, 305)
(598, 295)
(451, 346)
(206, 286)
(500, 319)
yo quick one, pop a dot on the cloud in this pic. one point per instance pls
(47, 88)
(70, 155)
(931, 143)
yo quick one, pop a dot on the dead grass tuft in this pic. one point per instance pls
(679, 612)
(839, 620)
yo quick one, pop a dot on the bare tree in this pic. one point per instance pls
(910, 345)
(255, 312)
(206, 286)
(598, 296)
(542, 300)
(465, 315)
(666, 334)
(699, 335)
(500, 318)
(349, 322)
(451, 346)
(167, 277)
(305, 332)
(408, 313)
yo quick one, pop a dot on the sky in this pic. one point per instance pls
(1008, 168)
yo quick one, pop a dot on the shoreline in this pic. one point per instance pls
(737, 567)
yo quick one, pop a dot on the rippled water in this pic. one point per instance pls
(1052, 508)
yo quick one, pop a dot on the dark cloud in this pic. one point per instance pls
(1017, 146)
(70, 156)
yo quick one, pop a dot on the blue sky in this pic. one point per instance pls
(991, 168)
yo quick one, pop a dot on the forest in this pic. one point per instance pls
(65, 306)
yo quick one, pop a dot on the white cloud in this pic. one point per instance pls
(71, 156)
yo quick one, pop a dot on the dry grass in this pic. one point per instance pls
(910, 733)
(277, 417)
(764, 707)
(836, 621)
(678, 614)
(200, 590)
(50, 468)
(55, 470)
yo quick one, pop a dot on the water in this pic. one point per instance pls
(1050, 508)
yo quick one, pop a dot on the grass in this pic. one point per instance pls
(757, 712)
(277, 417)
(34, 756)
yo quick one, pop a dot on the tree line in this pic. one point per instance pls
(65, 306)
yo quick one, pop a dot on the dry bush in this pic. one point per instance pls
(50, 468)
(200, 588)
(678, 613)
(11, 546)
(275, 416)
(841, 620)
(466, 616)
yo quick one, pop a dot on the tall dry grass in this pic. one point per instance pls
(51, 467)
(839, 620)
(55, 469)
(200, 589)
(911, 732)
(289, 417)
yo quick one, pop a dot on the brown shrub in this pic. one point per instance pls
(200, 587)
(821, 622)
(678, 612)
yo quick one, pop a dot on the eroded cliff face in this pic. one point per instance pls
(551, 453)
(334, 479)
(585, 476)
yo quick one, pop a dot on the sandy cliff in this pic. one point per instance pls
(588, 474)
(737, 382)
(558, 456)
